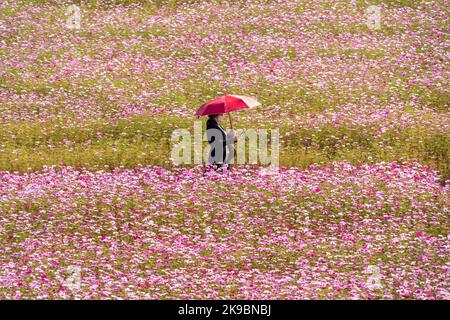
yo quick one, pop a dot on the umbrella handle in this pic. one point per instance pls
(231, 123)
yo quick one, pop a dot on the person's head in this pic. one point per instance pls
(216, 117)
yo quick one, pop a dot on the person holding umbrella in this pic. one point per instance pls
(221, 142)
(218, 138)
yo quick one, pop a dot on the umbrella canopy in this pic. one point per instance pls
(227, 103)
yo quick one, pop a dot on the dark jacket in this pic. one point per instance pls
(219, 142)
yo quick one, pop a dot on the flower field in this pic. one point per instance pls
(153, 233)
(86, 181)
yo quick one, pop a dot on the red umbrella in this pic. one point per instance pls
(226, 104)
